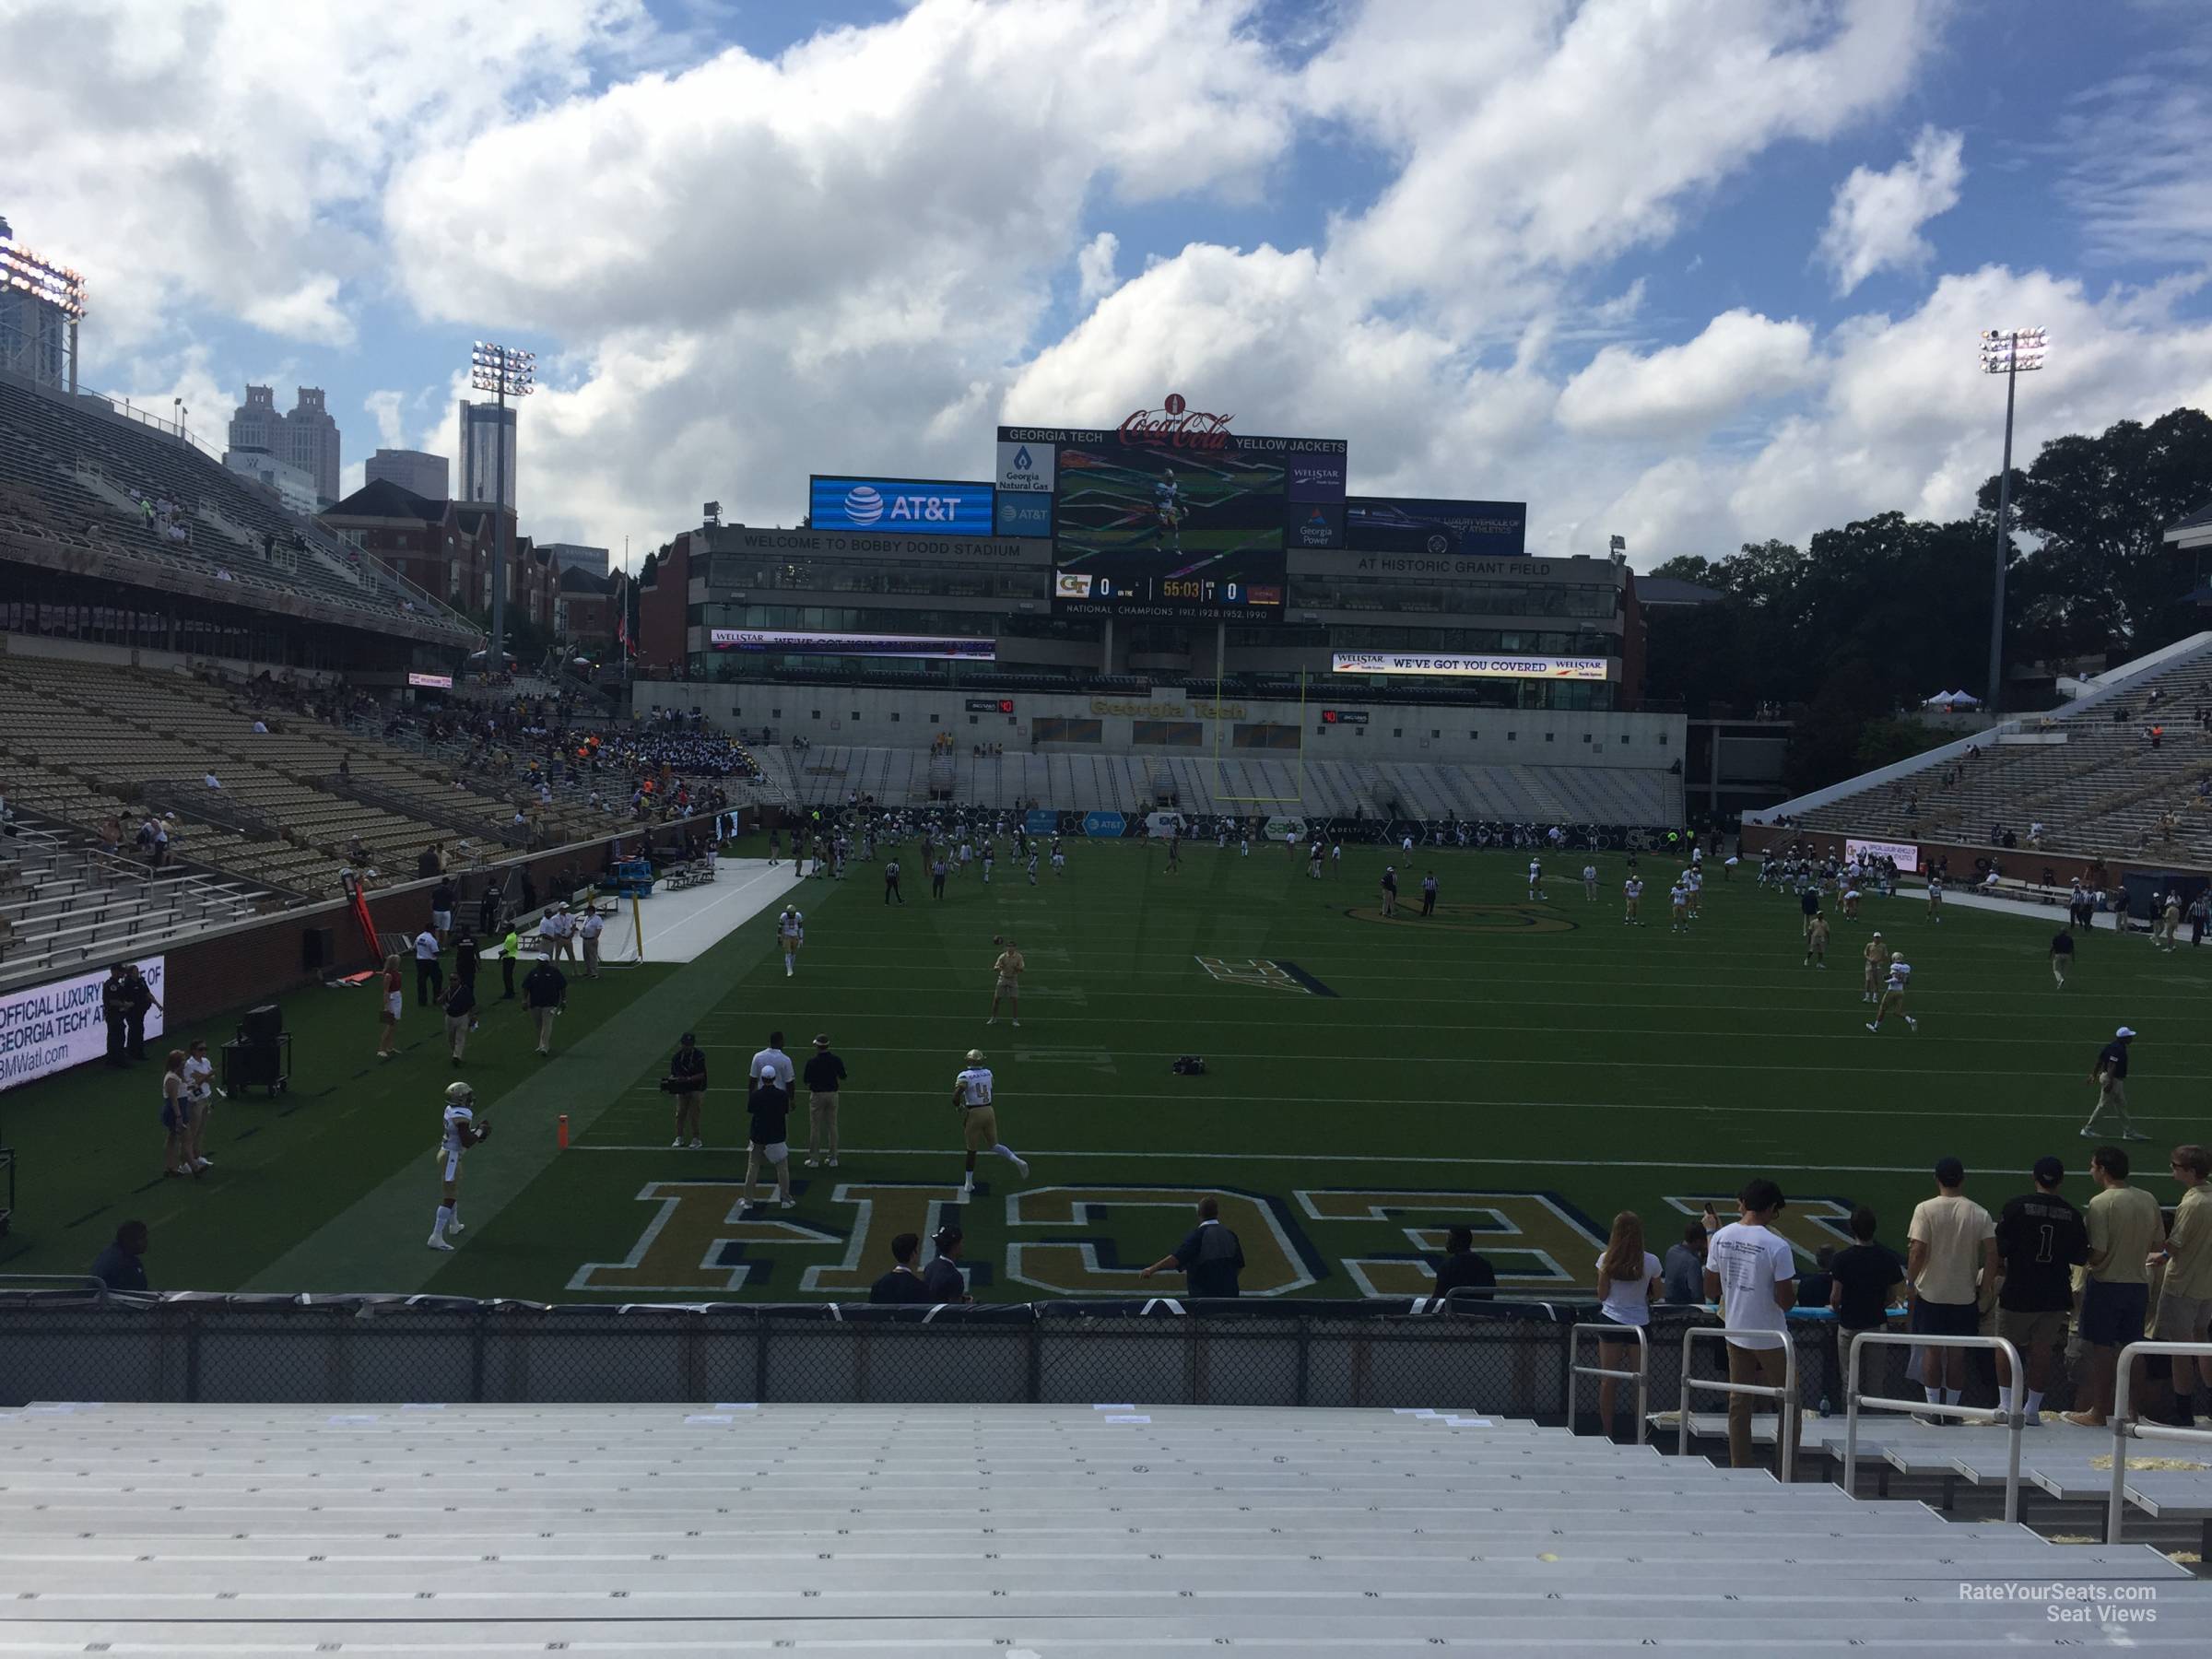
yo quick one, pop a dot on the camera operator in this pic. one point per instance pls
(687, 1080)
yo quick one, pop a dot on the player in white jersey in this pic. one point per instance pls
(1695, 881)
(1314, 861)
(791, 928)
(1677, 899)
(1337, 856)
(964, 856)
(1589, 881)
(1535, 878)
(1032, 866)
(974, 1097)
(990, 858)
(1936, 898)
(461, 1132)
(1059, 858)
(1893, 994)
(1632, 892)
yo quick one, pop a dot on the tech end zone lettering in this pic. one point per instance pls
(696, 1244)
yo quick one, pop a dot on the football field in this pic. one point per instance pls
(1527, 1068)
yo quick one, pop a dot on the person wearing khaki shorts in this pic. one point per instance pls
(2186, 1301)
(2040, 1240)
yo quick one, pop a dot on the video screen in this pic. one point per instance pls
(1197, 532)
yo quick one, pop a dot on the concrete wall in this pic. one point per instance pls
(873, 717)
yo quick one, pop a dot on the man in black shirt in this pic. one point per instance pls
(115, 1010)
(891, 883)
(2040, 1237)
(137, 998)
(825, 1074)
(545, 990)
(2110, 1075)
(460, 1016)
(901, 1284)
(688, 1067)
(1810, 903)
(1861, 1279)
(121, 1266)
(943, 1279)
(2062, 954)
(768, 1105)
(1211, 1258)
(1462, 1269)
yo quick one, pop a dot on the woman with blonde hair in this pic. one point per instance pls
(1628, 1279)
(392, 1003)
(176, 1118)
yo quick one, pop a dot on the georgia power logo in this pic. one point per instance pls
(863, 505)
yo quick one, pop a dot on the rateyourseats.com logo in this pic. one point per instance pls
(2071, 1601)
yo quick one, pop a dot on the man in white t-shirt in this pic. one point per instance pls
(773, 1056)
(1751, 1271)
(430, 976)
(589, 926)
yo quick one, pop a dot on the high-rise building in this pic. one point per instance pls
(306, 437)
(574, 556)
(313, 441)
(257, 428)
(40, 305)
(426, 475)
(486, 429)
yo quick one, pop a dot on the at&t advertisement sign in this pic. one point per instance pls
(899, 506)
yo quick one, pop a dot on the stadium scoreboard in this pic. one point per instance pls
(1171, 514)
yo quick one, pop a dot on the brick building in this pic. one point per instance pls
(446, 549)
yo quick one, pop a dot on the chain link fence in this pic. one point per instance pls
(1509, 1359)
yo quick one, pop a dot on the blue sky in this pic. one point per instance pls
(1693, 274)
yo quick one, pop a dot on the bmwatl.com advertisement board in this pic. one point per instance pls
(48, 1028)
(1173, 514)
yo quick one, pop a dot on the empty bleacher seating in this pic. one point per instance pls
(1046, 1530)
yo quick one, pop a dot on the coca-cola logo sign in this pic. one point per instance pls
(1177, 425)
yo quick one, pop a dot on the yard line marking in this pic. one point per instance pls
(1500, 1060)
(935, 985)
(1366, 1157)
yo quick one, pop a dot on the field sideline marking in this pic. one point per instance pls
(934, 987)
(1500, 1060)
(1045, 1096)
(1362, 1158)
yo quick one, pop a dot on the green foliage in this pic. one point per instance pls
(1879, 614)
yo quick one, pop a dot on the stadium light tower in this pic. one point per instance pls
(505, 374)
(2008, 352)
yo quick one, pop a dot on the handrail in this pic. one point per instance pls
(2124, 1427)
(1974, 1414)
(1640, 1376)
(1785, 1445)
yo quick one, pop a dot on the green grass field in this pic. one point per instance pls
(1528, 1068)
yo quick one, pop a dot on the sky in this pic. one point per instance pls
(1690, 271)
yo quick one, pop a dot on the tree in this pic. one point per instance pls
(2104, 579)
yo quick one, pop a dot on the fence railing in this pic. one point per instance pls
(1785, 1396)
(2125, 1428)
(2013, 1420)
(1640, 1376)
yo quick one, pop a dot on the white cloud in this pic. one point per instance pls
(743, 268)
(1094, 268)
(1874, 223)
(1681, 391)
(386, 409)
(226, 154)
(2133, 152)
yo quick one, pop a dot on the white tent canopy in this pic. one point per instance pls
(1943, 699)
